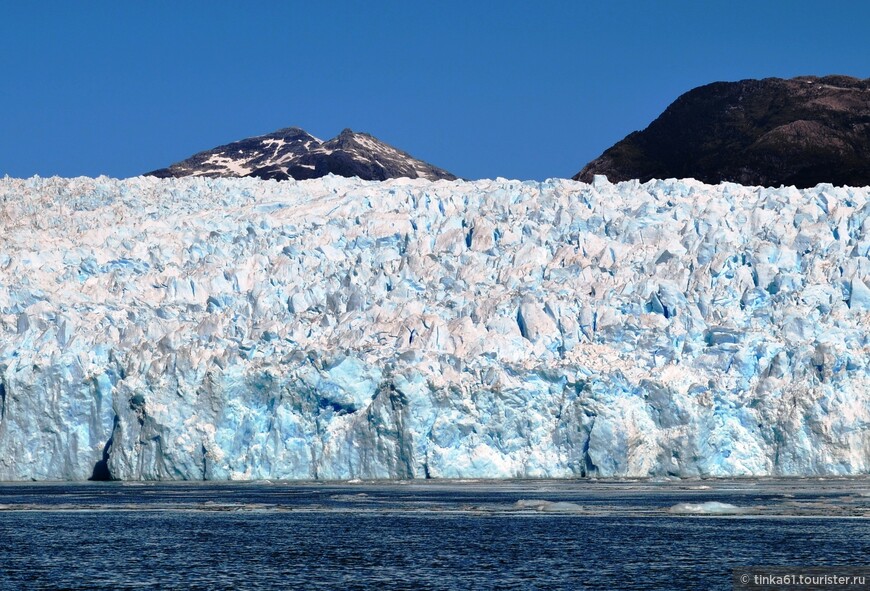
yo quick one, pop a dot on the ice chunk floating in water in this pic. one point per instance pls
(549, 506)
(339, 329)
(708, 508)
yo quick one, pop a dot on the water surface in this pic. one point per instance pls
(424, 535)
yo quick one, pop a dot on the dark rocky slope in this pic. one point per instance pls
(294, 153)
(802, 131)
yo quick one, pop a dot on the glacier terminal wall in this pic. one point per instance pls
(336, 329)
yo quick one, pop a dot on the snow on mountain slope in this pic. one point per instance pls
(336, 328)
(292, 153)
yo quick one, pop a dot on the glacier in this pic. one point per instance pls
(338, 329)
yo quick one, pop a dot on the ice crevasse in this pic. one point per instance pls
(337, 329)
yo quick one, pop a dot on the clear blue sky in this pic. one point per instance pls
(483, 89)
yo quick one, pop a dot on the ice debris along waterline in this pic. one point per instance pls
(339, 329)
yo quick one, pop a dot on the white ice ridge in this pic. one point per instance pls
(338, 329)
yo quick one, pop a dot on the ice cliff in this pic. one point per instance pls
(336, 329)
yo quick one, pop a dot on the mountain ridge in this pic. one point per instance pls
(800, 131)
(293, 153)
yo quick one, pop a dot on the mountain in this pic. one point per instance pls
(294, 153)
(335, 329)
(802, 131)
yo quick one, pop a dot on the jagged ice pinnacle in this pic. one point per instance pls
(335, 329)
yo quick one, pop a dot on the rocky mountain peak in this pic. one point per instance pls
(801, 131)
(293, 153)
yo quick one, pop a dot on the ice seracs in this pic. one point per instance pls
(341, 329)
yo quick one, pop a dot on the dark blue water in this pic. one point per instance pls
(421, 536)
